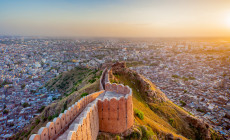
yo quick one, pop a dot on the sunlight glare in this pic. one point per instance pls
(228, 21)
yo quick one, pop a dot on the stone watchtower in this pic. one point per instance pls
(115, 109)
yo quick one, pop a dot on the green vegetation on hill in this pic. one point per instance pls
(84, 94)
(25, 104)
(73, 80)
(74, 83)
(68, 81)
(139, 114)
(152, 119)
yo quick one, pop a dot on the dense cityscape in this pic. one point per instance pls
(193, 73)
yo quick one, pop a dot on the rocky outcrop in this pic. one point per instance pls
(151, 92)
(202, 128)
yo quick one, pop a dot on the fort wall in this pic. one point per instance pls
(88, 116)
(87, 127)
(103, 79)
(61, 123)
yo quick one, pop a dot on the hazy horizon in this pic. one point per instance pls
(121, 18)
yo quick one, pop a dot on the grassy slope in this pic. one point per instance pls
(157, 121)
(52, 110)
(70, 80)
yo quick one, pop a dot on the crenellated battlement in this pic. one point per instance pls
(118, 88)
(86, 126)
(109, 110)
(62, 122)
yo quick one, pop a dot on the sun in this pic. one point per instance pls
(227, 21)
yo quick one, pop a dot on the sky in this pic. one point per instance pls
(115, 18)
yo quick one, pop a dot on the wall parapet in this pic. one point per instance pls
(102, 79)
(116, 113)
(56, 127)
(87, 125)
(118, 88)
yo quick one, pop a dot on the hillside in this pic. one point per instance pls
(156, 117)
(72, 80)
(76, 82)
(167, 120)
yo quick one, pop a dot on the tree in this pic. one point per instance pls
(23, 86)
(5, 112)
(25, 104)
(41, 109)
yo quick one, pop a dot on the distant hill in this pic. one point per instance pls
(166, 119)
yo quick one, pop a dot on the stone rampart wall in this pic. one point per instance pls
(102, 79)
(62, 122)
(87, 127)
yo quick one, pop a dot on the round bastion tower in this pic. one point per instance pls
(115, 109)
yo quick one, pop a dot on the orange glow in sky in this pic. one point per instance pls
(120, 18)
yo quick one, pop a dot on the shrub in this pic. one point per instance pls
(32, 127)
(23, 133)
(44, 118)
(135, 134)
(139, 114)
(200, 110)
(171, 121)
(27, 134)
(182, 103)
(192, 78)
(11, 125)
(84, 94)
(41, 109)
(25, 105)
(56, 115)
(5, 112)
(113, 81)
(65, 105)
(175, 76)
(23, 86)
(37, 121)
(147, 133)
(50, 118)
(92, 81)
(118, 138)
(185, 79)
